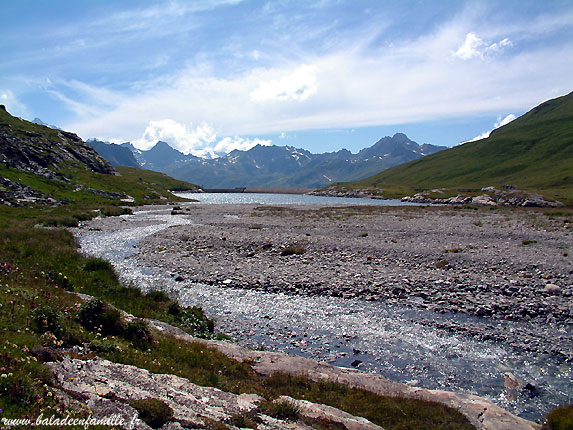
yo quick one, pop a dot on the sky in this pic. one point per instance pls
(210, 76)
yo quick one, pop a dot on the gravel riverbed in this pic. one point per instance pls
(443, 290)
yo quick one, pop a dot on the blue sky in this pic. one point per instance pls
(209, 76)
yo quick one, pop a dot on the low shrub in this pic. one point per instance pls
(60, 222)
(98, 315)
(528, 242)
(94, 264)
(84, 216)
(139, 333)
(442, 263)
(293, 251)
(46, 319)
(158, 296)
(154, 412)
(115, 211)
(560, 418)
(193, 320)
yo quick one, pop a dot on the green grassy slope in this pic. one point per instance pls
(534, 153)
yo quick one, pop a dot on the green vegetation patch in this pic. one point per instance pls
(560, 418)
(154, 412)
(296, 250)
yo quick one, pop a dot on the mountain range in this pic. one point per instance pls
(533, 152)
(270, 166)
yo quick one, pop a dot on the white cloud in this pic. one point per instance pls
(499, 123)
(299, 84)
(499, 46)
(471, 48)
(13, 105)
(353, 83)
(200, 141)
(475, 47)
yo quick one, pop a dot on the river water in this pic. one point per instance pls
(390, 340)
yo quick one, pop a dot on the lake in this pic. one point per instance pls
(286, 199)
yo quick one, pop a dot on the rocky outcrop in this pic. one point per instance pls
(15, 194)
(363, 193)
(42, 155)
(507, 196)
(43, 151)
(483, 414)
(106, 389)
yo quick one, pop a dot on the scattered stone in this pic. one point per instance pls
(46, 354)
(552, 289)
(512, 382)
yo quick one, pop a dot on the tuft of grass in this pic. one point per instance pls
(293, 251)
(115, 211)
(96, 264)
(453, 250)
(154, 412)
(528, 242)
(560, 418)
(442, 263)
(244, 420)
(364, 235)
(85, 216)
(60, 222)
(391, 413)
(282, 409)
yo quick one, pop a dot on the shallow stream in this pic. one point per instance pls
(371, 336)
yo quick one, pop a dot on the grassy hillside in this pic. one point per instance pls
(534, 153)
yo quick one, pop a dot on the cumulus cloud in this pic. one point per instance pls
(300, 84)
(200, 141)
(499, 123)
(475, 47)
